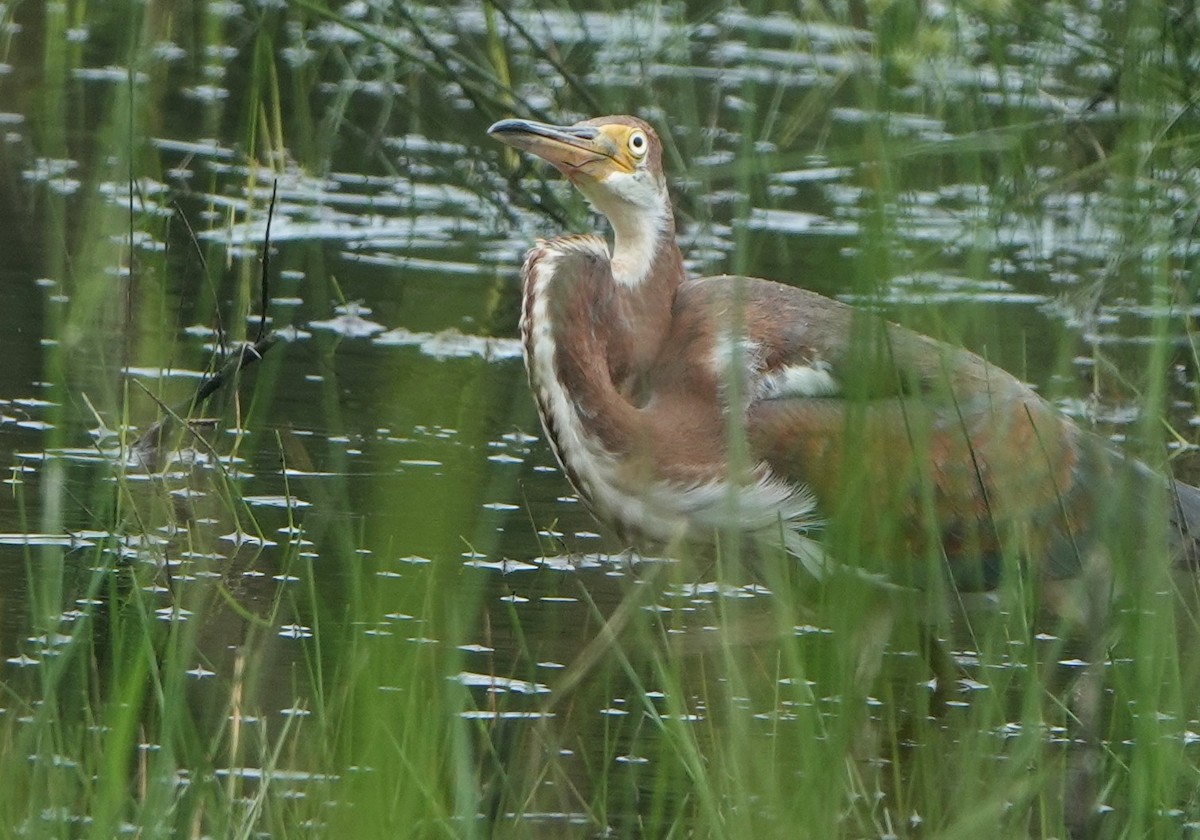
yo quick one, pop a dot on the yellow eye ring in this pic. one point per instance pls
(638, 144)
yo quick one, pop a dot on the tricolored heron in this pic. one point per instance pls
(679, 407)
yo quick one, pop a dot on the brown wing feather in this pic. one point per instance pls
(901, 469)
(926, 444)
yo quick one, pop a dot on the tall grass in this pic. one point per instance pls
(689, 703)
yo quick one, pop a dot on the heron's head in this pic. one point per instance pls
(616, 162)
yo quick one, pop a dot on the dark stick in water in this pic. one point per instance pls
(148, 446)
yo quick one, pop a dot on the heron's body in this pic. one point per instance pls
(680, 406)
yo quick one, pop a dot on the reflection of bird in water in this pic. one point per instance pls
(679, 408)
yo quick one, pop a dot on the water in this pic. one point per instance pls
(392, 432)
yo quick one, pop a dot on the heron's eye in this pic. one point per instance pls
(637, 142)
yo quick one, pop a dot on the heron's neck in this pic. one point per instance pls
(639, 210)
(647, 268)
(570, 307)
(641, 235)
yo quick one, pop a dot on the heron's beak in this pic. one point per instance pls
(572, 150)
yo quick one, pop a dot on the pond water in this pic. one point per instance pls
(381, 473)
